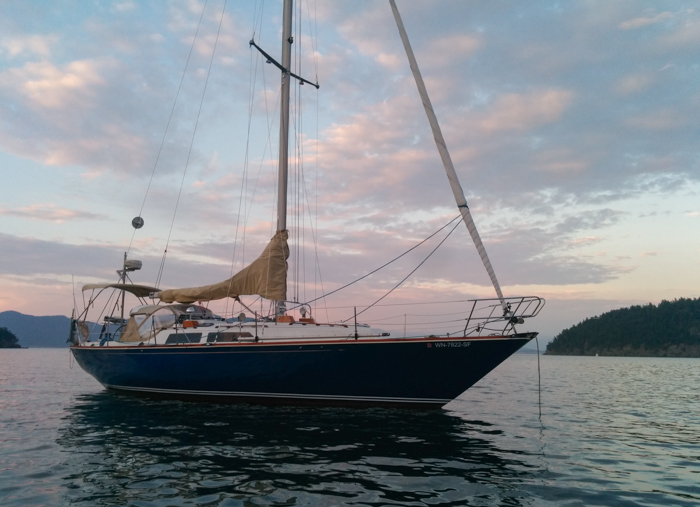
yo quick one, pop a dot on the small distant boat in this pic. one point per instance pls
(179, 348)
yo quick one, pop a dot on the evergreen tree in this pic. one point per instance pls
(671, 328)
(8, 340)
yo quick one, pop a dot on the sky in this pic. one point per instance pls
(573, 127)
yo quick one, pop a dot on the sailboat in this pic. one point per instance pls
(172, 345)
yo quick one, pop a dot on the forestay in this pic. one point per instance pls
(445, 156)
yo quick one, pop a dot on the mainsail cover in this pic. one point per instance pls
(266, 276)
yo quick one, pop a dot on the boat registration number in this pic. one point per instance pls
(450, 344)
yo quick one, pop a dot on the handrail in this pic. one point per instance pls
(520, 308)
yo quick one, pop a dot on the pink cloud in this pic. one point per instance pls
(525, 111)
(661, 119)
(641, 22)
(633, 83)
(588, 240)
(48, 86)
(50, 212)
(39, 45)
(449, 50)
(560, 161)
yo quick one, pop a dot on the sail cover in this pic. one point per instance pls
(266, 276)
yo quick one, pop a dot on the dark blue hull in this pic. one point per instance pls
(420, 373)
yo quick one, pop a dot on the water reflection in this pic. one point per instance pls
(124, 450)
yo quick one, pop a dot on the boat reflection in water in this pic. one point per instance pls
(124, 450)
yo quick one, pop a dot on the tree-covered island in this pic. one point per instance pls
(669, 329)
(8, 340)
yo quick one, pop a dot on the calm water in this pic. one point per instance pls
(614, 431)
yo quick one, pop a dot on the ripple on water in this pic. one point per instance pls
(615, 431)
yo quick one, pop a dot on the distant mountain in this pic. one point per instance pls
(669, 329)
(37, 331)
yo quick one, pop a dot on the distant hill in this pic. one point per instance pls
(669, 329)
(37, 331)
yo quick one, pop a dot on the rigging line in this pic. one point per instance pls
(416, 328)
(300, 173)
(539, 379)
(75, 304)
(408, 275)
(194, 133)
(170, 118)
(255, 17)
(248, 209)
(298, 165)
(246, 183)
(410, 304)
(437, 322)
(313, 30)
(314, 229)
(299, 162)
(304, 204)
(302, 178)
(418, 315)
(295, 162)
(302, 183)
(253, 77)
(268, 144)
(260, 167)
(385, 265)
(317, 261)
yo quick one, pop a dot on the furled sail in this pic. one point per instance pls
(266, 276)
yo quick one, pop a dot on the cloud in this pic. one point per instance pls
(43, 85)
(641, 22)
(686, 36)
(31, 258)
(367, 30)
(124, 6)
(634, 83)
(448, 51)
(52, 115)
(526, 111)
(662, 119)
(50, 212)
(588, 240)
(103, 104)
(560, 161)
(553, 117)
(28, 45)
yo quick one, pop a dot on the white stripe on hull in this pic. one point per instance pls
(288, 396)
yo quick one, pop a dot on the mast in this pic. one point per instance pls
(287, 75)
(280, 307)
(284, 117)
(446, 159)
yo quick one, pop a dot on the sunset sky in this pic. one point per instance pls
(574, 127)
